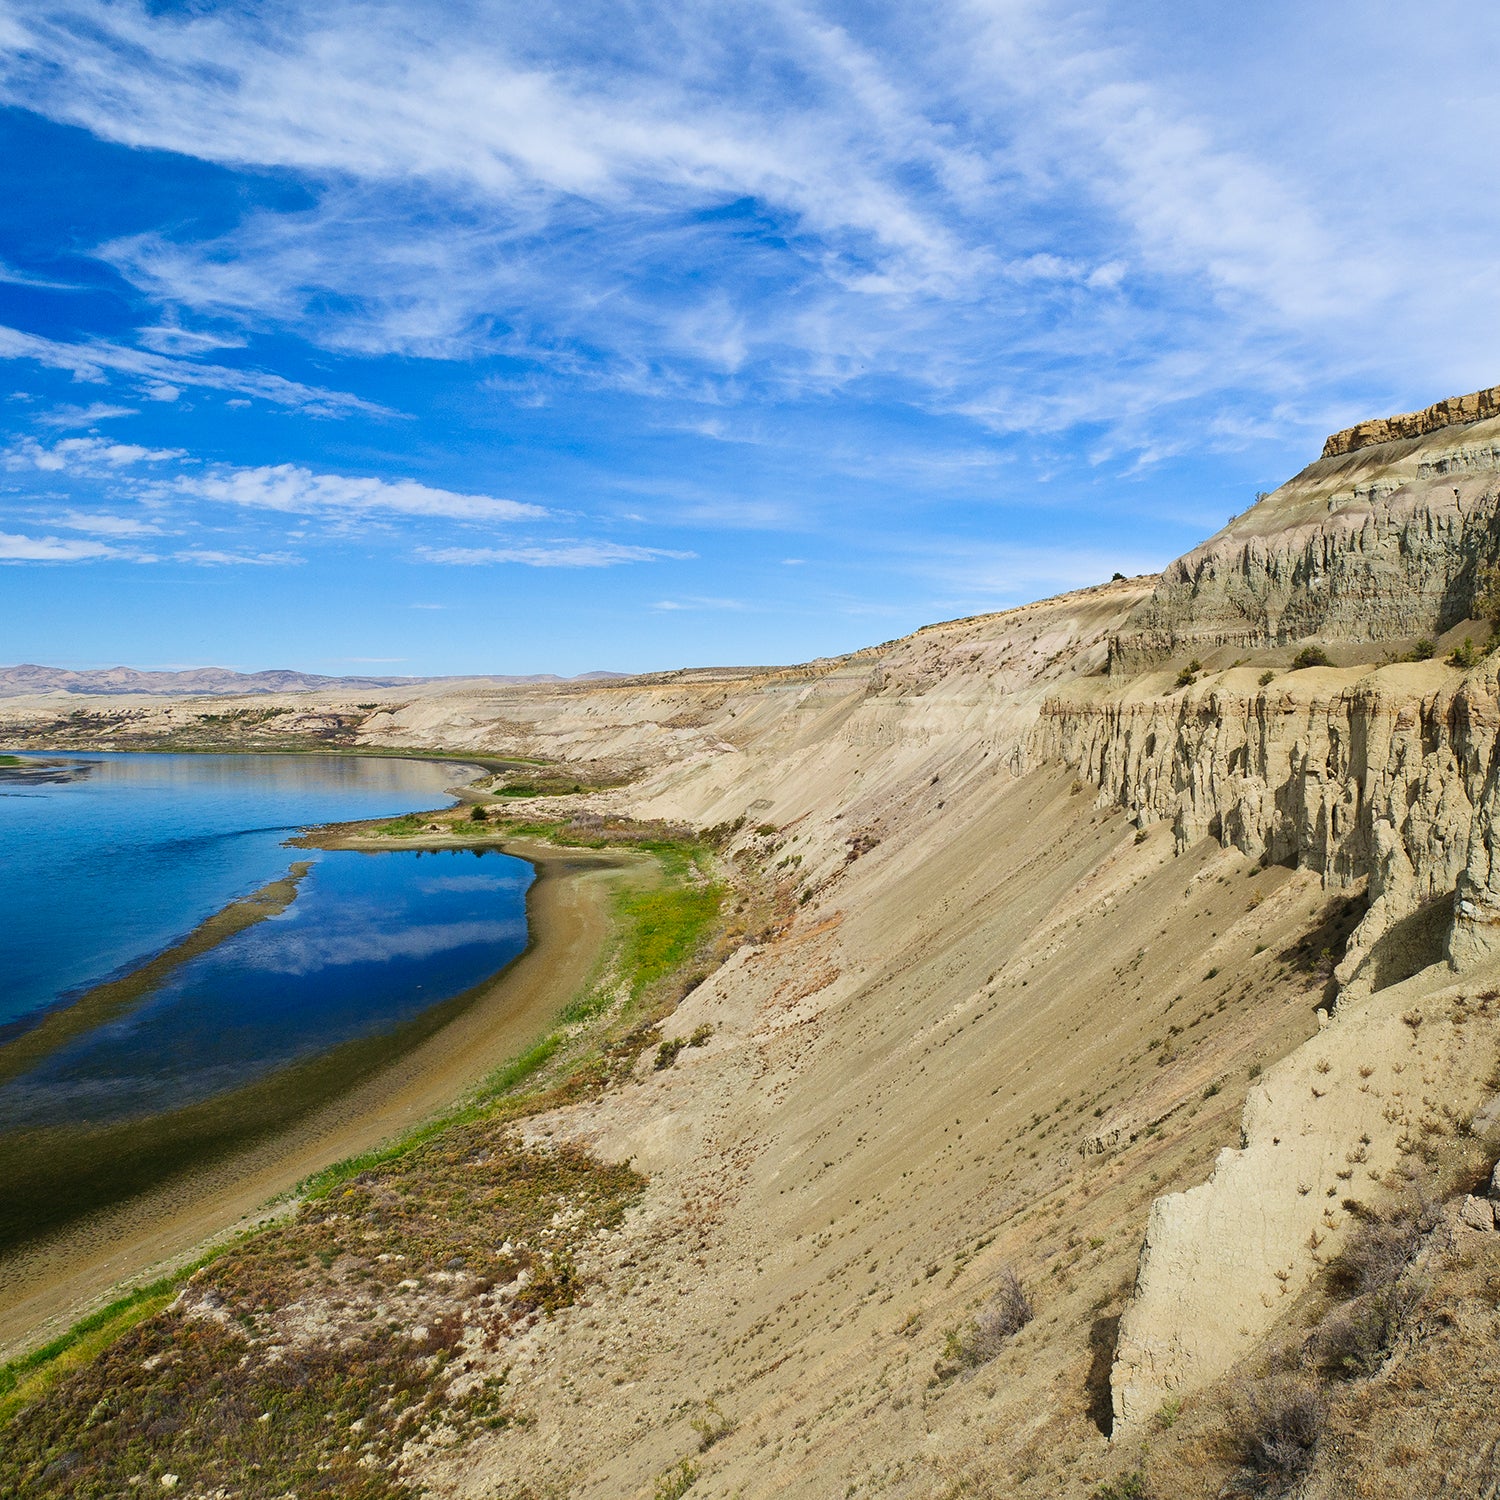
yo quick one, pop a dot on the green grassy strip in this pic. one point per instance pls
(28, 1376)
(663, 930)
(503, 1081)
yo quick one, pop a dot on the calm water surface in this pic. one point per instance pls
(127, 854)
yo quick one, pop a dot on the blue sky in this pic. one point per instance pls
(418, 338)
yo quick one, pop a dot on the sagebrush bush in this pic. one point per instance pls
(666, 1053)
(1381, 1244)
(1355, 1339)
(1275, 1426)
(1006, 1313)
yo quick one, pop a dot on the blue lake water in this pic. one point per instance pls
(107, 869)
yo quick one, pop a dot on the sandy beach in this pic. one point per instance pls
(54, 1280)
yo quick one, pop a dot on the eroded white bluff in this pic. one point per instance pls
(1372, 782)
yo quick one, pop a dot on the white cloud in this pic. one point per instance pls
(84, 455)
(84, 416)
(298, 491)
(101, 523)
(95, 361)
(490, 190)
(168, 338)
(1035, 213)
(208, 557)
(697, 602)
(16, 548)
(580, 554)
(13, 277)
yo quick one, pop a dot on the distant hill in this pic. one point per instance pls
(28, 680)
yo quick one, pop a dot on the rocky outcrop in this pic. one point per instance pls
(1365, 548)
(1221, 1263)
(1389, 779)
(1449, 413)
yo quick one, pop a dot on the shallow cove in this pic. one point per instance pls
(270, 1006)
(57, 1277)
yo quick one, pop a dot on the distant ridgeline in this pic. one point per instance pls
(1450, 413)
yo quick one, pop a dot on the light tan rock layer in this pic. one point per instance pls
(1450, 413)
(1322, 1130)
(1386, 776)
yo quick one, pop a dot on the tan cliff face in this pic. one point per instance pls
(1386, 543)
(1384, 776)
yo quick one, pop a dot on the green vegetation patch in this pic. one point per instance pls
(665, 929)
(406, 826)
(305, 1358)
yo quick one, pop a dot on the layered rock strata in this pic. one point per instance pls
(1453, 412)
(1385, 544)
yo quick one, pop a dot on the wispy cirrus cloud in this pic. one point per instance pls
(697, 602)
(21, 548)
(16, 548)
(95, 361)
(562, 554)
(981, 208)
(295, 490)
(84, 416)
(103, 523)
(215, 557)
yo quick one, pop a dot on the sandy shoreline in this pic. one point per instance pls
(48, 1285)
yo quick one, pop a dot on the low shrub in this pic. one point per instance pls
(1006, 1313)
(712, 1427)
(1355, 1339)
(676, 1481)
(666, 1053)
(1310, 656)
(1275, 1426)
(1380, 1245)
